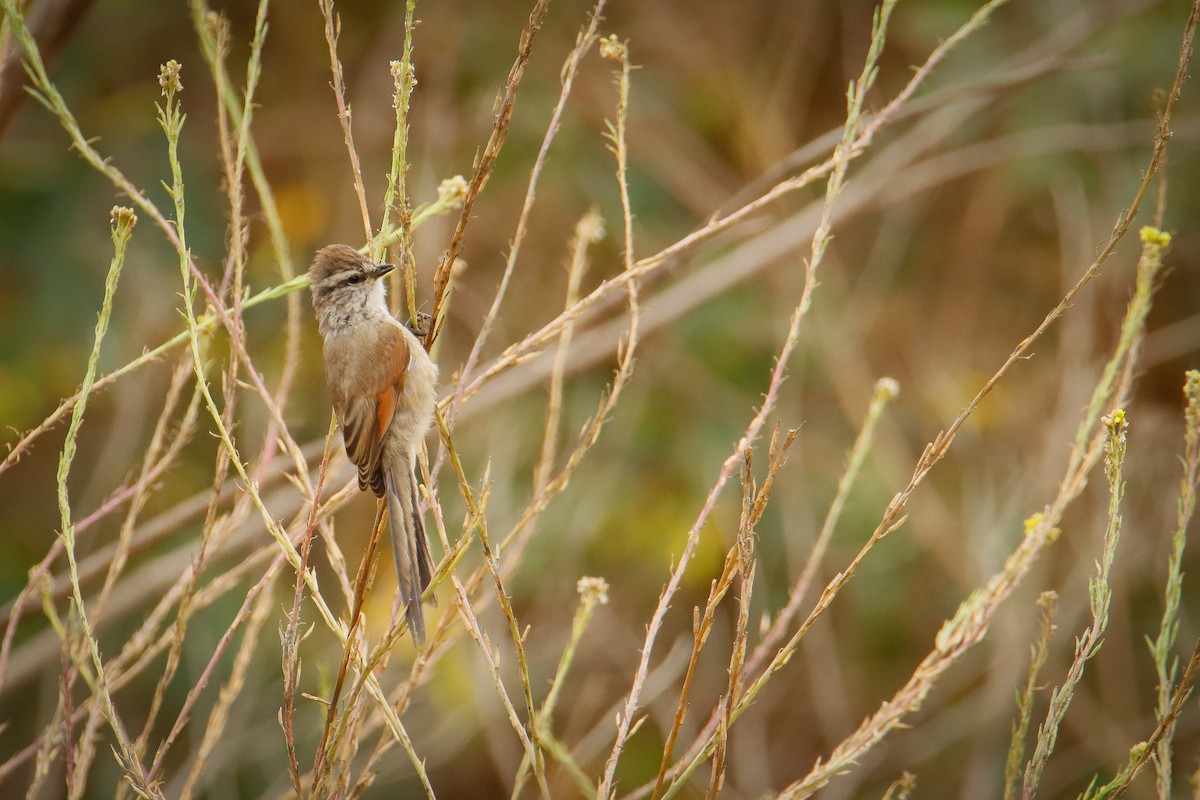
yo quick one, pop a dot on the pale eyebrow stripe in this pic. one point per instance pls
(338, 277)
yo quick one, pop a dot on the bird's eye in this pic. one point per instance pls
(354, 280)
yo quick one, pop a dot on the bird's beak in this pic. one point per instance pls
(379, 270)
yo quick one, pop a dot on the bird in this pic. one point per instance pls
(382, 383)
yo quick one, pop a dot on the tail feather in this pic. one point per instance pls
(424, 561)
(409, 549)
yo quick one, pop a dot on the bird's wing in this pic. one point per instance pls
(365, 418)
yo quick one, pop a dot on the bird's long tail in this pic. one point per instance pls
(409, 547)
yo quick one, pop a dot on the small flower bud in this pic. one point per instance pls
(168, 78)
(593, 590)
(453, 190)
(614, 48)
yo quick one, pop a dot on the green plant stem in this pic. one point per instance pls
(592, 592)
(1048, 603)
(1100, 594)
(397, 195)
(122, 230)
(1165, 666)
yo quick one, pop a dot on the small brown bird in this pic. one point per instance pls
(382, 383)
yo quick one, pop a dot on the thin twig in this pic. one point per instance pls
(583, 43)
(485, 162)
(131, 766)
(333, 29)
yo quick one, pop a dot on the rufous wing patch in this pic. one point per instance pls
(366, 420)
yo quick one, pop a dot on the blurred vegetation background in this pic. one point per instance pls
(958, 232)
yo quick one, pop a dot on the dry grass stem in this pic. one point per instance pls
(485, 162)
(333, 29)
(583, 44)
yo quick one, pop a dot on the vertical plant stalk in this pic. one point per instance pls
(290, 637)
(216, 28)
(67, 704)
(1165, 666)
(215, 34)
(123, 221)
(397, 195)
(583, 43)
(269, 208)
(738, 561)
(1048, 604)
(701, 628)
(476, 512)
(593, 592)
(240, 113)
(323, 762)
(588, 231)
(612, 48)
(233, 135)
(484, 164)
(531, 714)
(743, 557)
(333, 30)
(754, 505)
(1087, 645)
(172, 120)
